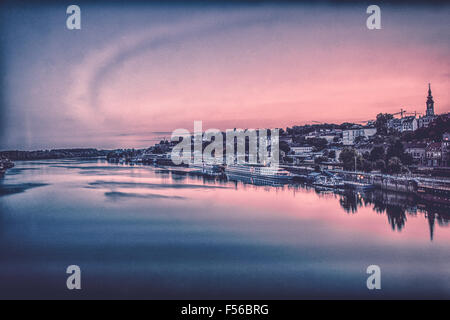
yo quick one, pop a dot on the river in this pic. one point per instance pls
(144, 232)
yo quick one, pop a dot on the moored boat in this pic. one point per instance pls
(260, 172)
(329, 182)
(358, 185)
(434, 192)
(212, 170)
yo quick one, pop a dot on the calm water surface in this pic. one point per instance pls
(143, 232)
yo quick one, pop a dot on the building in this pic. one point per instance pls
(336, 151)
(349, 136)
(329, 138)
(446, 140)
(300, 154)
(417, 152)
(287, 139)
(302, 150)
(412, 123)
(433, 154)
(409, 124)
(446, 149)
(395, 125)
(424, 122)
(404, 124)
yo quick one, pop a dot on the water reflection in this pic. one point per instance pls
(397, 207)
(168, 233)
(9, 189)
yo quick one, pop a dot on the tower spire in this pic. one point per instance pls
(430, 103)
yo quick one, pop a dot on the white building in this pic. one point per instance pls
(304, 150)
(329, 138)
(349, 136)
(410, 123)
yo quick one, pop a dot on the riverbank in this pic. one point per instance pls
(17, 155)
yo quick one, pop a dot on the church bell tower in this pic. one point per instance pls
(430, 103)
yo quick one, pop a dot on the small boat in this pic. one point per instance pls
(329, 182)
(255, 180)
(137, 160)
(358, 185)
(311, 177)
(212, 170)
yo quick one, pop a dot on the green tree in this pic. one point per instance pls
(396, 149)
(367, 166)
(360, 139)
(407, 159)
(284, 146)
(320, 159)
(318, 143)
(299, 139)
(347, 157)
(377, 153)
(394, 165)
(366, 155)
(381, 122)
(380, 165)
(332, 154)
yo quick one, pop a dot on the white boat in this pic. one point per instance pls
(329, 182)
(208, 169)
(259, 172)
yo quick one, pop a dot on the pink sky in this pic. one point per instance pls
(241, 67)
